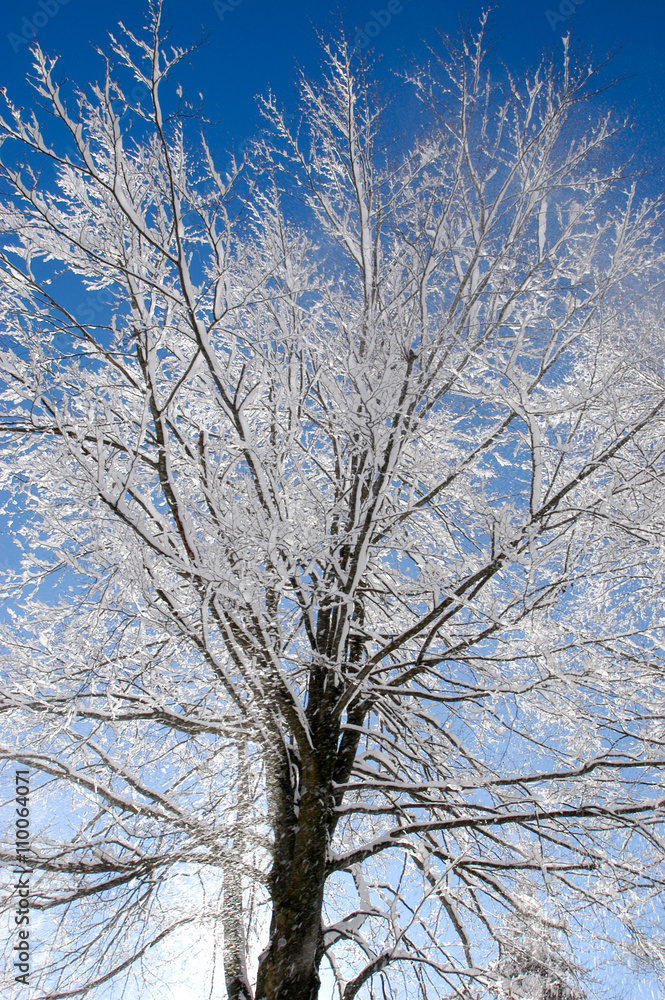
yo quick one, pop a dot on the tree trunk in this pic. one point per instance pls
(288, 968)
(235, 970)
(303, 800)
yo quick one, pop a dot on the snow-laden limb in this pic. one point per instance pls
(339, 634)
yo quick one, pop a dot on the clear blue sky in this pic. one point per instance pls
(252, 44)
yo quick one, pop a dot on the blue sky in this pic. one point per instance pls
(250, 45)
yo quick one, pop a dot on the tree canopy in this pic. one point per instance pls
(338, 640)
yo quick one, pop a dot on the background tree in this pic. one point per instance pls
(530, 964)
(353, 517)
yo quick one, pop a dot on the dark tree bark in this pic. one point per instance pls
(289, 966)
(304, 801)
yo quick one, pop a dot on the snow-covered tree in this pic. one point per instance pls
(337, 632)
(530, 965)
